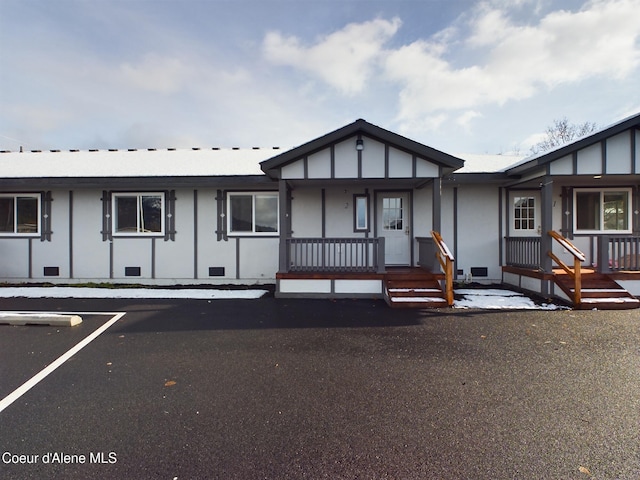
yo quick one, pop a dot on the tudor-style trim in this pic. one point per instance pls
(386, 161)
(360, 127)
(195, 230)
(436, 204)
(70, 234)
(631, 123)
(632, 142)
(323, 197)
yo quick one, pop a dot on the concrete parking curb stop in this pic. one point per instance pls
(52, 319)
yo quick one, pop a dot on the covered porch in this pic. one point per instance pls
(355, 267)
(611, 283)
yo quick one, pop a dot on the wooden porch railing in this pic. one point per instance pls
(617, 253)
(578, 258)
(523, 252)
(335, 255)
(445, 258)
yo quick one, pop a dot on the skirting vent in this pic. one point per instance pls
(51, 271)
(216, 271)
(131, 271)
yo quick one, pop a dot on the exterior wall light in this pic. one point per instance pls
(359, 144)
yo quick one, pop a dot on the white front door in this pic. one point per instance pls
(394, 213)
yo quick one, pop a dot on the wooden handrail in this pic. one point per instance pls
(578, 258)
(445, 258)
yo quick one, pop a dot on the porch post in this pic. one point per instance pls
(546, 242)
(436, 205)
(285, 222)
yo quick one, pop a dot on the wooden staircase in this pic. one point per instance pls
(598, 291)
(417, 290)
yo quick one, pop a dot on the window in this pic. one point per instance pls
(361, 213)
(20, 214)
(138, 213)
(392, 214)
(524, 213)
(602, 210)
(253, 213)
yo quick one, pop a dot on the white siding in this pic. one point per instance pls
(319, 164)
(590, 160)
(346, 159)
(258, 258)
(131, 252)
(637, 134)
(14, 260)
(306, 212)
(478, 230)
(426, 169)
(90, 253)
(400, 164)
(339, 212)
(174, 259)
(373, 159)
(56, 252)
(562, 166)
(619, 154)
(293, 170)
(422, 213)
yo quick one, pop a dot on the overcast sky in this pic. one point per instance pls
(462, 76)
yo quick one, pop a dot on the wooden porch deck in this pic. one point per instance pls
(403, 287)
(598, 290)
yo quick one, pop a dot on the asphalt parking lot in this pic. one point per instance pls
(290, 389)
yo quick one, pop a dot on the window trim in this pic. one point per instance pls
(514, 209)
(602, 191)
(356, 227)
(15, 233)
(253, 194)
(138, 195)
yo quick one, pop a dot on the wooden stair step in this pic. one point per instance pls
(414, 290)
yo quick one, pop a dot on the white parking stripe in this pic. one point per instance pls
(33, 381)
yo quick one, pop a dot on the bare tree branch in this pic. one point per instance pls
(562, 132)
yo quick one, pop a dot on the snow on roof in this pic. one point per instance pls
(195, 162)
(135, 163)
(480, 163)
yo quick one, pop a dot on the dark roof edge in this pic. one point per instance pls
(368, 129)
(156, 181)
(564, 150)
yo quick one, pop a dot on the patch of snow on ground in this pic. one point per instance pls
(493, 298)
(157, 293)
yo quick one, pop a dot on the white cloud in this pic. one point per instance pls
(156, 73)
(467, 117)
(515, 61)
(344, 59)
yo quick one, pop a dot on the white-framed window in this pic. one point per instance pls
(138, 213)
(524, 213)
(20, 214)
(252, 213)
(361, 213)
(602, 210)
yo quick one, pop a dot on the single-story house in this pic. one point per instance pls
(360, 211)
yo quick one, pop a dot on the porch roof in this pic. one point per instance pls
(448, 162)
(533, 162)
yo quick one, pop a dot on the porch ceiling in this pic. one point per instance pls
(578, 181)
